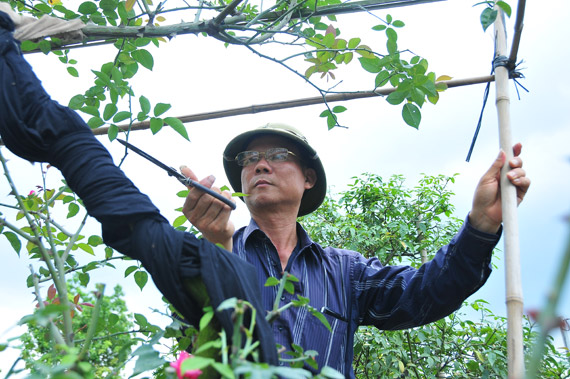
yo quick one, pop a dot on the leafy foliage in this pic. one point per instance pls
(107, 355)
(387, 220)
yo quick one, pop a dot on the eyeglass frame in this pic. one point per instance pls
(263, 154)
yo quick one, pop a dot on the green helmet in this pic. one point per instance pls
(313, 197)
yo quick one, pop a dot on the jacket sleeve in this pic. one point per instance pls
(400, 297)
(37, 128)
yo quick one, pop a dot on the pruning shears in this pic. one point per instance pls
(181, 178)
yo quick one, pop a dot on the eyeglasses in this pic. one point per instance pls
(278, 154)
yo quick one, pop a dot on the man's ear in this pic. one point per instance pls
(310, 178)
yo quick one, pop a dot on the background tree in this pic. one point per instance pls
(401, 225)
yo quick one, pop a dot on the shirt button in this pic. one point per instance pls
(280, 328)
(283, 298)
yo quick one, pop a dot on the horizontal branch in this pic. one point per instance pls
(97, 33)
(252, 109)
(351, 7)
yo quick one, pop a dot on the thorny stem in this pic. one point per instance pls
(59, 283)
(17, 230)
(77, 268)
(74, 238)
(93, 323)
(412, 358)
(55, 333)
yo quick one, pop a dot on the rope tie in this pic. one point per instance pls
(500, 61)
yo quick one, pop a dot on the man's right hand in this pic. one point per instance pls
(209, 215)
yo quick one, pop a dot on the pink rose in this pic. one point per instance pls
(190, 374)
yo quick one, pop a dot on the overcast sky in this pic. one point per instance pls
(198, 75)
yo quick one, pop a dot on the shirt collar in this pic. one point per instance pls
(303, 236)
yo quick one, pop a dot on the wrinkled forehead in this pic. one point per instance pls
(263, 143)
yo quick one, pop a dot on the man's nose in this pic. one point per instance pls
(262, 165)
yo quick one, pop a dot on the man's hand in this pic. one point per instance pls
(209, 215)
(486, 214)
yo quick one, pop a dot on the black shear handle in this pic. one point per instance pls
(195, 184)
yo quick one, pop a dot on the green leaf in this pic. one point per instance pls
(72, 209)
(110, 110)
(144, 58)
(76, 102)
(108, 5)
(160, 108)
(412, 115)
(149, 359)
(14, 241)
(179, 221)
(505, 7)
(156, 124)
(28, 46)
(45, 46)
(95, 122)
(73, 71)
(85, 247)
(339, 109)
(396, 97)
(108, 252)
(130, 269)
(488, 17)
(141, 278)
(93, 111)
(271, 281)
(84, 278)
(104, 77)
(382, 78)
(205, 320)
(113, 132)
(196, 363)
(398, 24)
(372, 65)
(121, 116)
(331, 121)
(178, 126)
(391, 34)
(87, 7)
(145, 104)
(353, 43)
(95, 240)
(379, 27)
(392, 46)
(325, 113)
(321, 318)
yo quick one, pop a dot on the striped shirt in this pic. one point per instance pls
(351, 290)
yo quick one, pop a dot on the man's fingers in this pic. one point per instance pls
(187, 172)
(517, 148)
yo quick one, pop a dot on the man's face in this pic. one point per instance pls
(275, 185)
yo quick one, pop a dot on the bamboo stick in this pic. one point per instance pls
(514, 298)
(252, 109)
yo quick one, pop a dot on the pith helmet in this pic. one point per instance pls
(313, 197)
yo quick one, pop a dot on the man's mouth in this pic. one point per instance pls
(261, 182)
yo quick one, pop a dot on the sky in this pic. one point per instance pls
(197, 75)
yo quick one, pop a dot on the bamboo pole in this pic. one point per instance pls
(252, 109)
(514, 298)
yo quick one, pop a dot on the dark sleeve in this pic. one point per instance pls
(400, 297)
(38, 129)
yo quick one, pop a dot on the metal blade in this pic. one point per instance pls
(172, 172)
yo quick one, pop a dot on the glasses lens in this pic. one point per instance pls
(277, 155)
(246, 158)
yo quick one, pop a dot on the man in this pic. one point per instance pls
(281, 185)
(283, 178)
